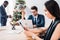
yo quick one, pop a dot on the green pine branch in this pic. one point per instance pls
(20, 1)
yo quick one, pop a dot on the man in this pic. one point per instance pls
(3, 13)
(37, 19)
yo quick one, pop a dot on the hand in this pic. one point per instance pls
(34, 26)
(26, 28)
(28, 33)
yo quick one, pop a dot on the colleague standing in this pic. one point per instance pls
(3, 13)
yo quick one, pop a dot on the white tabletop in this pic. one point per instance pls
(7, 34)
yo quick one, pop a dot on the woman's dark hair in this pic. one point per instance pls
(53, 8)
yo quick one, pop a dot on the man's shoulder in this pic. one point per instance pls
(40, 15)
(30, 15)
(1, 6)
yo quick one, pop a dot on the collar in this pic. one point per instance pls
(3, 6)
(35, 16)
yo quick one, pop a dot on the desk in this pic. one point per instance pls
(5, 35)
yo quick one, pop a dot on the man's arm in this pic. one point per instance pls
(38, 30)
(42, 22)
(30, 17)
(0, 15)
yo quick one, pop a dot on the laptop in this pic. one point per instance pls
(27, 23)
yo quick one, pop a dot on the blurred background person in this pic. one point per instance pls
(3, 13)
(38, 20)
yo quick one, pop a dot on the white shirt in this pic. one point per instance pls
(35, 17)
(3, 6)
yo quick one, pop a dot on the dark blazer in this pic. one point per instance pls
(3, 16)
(40, 20)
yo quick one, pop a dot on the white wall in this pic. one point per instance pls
(1, 2)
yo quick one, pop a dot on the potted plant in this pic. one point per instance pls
(17, 13)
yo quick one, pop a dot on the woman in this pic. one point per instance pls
(53, 32)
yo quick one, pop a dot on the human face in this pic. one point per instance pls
(5, 5)
(48, 14)
(34, 12)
